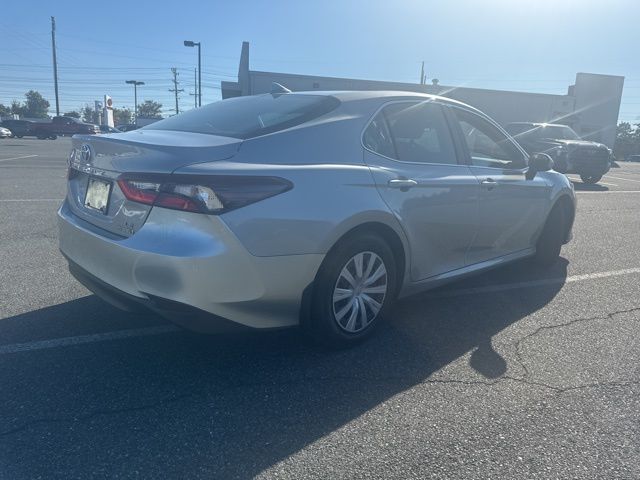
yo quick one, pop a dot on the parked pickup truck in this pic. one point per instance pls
(64, 126)
(590, 160)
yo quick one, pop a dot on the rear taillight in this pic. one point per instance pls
(202, 194)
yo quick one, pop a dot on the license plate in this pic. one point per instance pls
(97, 196)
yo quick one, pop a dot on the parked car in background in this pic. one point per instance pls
(633, 158)
(590, 160)
(64, 126)
(19, 128)
(313, 208)
(108, 129)
(127, 127)
(5, 133)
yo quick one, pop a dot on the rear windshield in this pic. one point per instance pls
(247, 117)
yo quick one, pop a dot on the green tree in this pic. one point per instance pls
(36, 105)
(89, 114)
(122, 116)
(150, 109)
(627, 140)
(72, 114)
(4, 111)
(17, 108)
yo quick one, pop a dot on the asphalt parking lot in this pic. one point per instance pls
(518, 373)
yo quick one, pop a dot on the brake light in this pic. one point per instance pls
(199, 193)
(141, 192)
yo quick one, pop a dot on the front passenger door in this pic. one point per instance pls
(511, 206)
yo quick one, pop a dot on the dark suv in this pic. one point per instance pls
(19, 128)
(570, 154)
(64, 126)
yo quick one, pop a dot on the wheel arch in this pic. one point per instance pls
(565, 202)
(390, 236)
(395, 240)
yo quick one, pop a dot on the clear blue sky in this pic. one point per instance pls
(531, 45)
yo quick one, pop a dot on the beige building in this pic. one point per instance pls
(591, 106)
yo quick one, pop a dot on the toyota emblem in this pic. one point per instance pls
(85, 153)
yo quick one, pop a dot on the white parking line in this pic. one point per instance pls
(17, 158)
(82, 339)
(584, 192)
(623, 179)
(145, 332)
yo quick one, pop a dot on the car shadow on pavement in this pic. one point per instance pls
(587, 187)
(181, 405)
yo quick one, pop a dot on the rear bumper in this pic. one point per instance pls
(181, 314)
(179, 260)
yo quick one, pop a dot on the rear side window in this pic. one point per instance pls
(411, 132)
(377, 137)
(247, 117)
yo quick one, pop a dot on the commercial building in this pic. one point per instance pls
(590, 106)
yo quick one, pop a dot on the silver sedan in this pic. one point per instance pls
(312, 209)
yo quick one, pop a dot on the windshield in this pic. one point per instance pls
(247, 117)
(538, 132)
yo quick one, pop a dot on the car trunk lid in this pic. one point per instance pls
(96, 163)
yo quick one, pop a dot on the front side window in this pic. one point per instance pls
(487, 145)
(412, 132)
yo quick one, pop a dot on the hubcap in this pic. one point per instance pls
(359, 292)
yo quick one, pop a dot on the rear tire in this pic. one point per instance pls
(552, 237)
(590, 179)
(355, 287)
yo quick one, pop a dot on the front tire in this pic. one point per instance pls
(552, 237)
(590, 179)
(355, 287)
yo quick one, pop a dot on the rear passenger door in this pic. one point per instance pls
(511, 206)
(414, 161)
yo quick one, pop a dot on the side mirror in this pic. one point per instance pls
(539, 162)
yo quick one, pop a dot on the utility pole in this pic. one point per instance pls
(55, 63)
(175, 87)
(423, 78)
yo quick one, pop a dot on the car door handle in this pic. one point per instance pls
(489, 183)
(402, 183)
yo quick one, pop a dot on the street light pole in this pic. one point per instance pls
(189, 43)
(135, 84)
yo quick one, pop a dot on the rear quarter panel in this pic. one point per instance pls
(326, 202)
(334, 191)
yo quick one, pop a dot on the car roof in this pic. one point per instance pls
(537, 124)
(357, 95)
